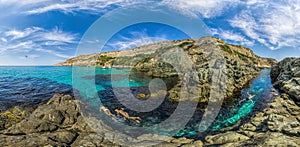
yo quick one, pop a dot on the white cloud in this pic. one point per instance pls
(17, 34)
(70, 6)
(3, 39)
(21, 3)
(138, 39)
(13, 7)
(207, 9)
(193, 8)
(58, 36)
(36, 39)
(274, 24)
(232, 37)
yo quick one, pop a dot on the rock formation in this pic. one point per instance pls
(60, 123)
(278, 125)
(163, 60)
(286, 77)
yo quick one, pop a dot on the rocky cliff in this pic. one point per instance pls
(162, 60)
(144, 54)
(286, 77)
(277, 125)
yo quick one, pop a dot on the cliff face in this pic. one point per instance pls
(120, 58)
(277, 125)
(286, 77)
(240, 64)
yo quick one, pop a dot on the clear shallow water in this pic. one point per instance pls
(260, 88)
(34, 85)
(28, 86)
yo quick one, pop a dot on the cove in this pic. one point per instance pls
(260, 88)
(35, 85)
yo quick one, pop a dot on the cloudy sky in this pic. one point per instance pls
(44, 32)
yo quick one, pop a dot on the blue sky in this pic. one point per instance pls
(44, 32)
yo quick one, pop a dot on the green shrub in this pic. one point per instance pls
(225, 48)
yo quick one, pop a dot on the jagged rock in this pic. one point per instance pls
(47, 126)
(12, 116)
(277, 125)
(285, 77)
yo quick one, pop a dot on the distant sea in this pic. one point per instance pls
(31, 85)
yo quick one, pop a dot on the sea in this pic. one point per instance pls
(30, 86)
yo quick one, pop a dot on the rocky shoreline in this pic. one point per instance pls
(60, 123)
(277, 125)
(237, 65)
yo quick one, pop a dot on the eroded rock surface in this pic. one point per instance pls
(277, 125)
(286, 77)
(60, 123)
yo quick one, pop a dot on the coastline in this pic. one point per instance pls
(67, 127)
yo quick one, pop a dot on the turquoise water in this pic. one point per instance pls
(260, 88)
(33, 85)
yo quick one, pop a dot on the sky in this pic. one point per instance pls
(45, 32)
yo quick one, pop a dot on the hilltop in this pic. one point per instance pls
(115, 58)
